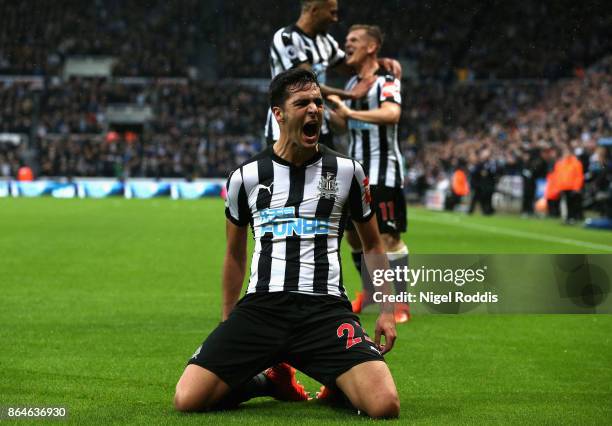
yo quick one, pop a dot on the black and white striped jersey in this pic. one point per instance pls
(291, 47)
(297, 215)
(377, 146)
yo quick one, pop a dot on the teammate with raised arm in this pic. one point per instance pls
(372, 123)
(307, 44)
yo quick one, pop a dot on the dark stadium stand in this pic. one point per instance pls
(574, 111)
(519, 39)
(507, 77)
(153, 39)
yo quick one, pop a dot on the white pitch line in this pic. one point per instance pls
(513, 233)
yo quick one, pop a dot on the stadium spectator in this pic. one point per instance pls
(459, 185)
(552, 193)
(9, 162)
(570, 178)
(482, 180)
(533, 168)
(599, 193)
(25, 174)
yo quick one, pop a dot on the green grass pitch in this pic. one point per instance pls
(103, 301)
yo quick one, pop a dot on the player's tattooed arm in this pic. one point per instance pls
(234, 266)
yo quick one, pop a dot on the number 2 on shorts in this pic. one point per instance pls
(351, 340)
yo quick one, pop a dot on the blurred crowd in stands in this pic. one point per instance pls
(490, 88)
(198, 129)
(561, 129)
(489, 39)
(10, 159)
(519, 39)
(148, 38)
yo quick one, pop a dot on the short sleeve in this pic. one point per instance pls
(359, 195)
(390, 90)
(289, 48)
(236, 205)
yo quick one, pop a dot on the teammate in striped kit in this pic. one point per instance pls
(372, 125)
(307, 44)
(295, 195)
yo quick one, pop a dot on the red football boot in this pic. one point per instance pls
(357, 304)
(325, 394)
(286, 387)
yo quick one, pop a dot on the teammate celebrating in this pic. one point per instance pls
(372, 125)
(295, 196)
(307, 44)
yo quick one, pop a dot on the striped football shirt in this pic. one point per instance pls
(297, 216)
(377, 146)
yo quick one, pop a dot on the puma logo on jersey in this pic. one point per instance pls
(267, 188)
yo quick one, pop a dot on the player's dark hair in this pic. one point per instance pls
(293, 80)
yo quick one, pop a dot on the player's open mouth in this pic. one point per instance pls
(311, 129)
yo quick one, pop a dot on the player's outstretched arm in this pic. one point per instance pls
(359, 91)
(234, 265)
(389, 64)
(376, 258)
(389, 113)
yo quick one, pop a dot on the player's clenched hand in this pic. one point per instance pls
(334, 100)
(385, 326)
(339, 107)
(391, 65)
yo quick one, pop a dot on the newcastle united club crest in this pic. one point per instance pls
(328, 186)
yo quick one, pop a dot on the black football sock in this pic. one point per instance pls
(257, 386)
(357, 255)
(399, 258)
(366, 281)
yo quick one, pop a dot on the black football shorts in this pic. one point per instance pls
(390, 207)
(317, 334)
